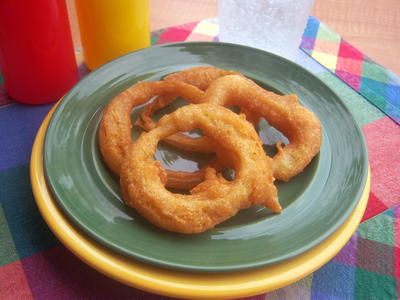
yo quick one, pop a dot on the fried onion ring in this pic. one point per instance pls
(200, 77)
(215, 199)
(285, 113)
(115, 127)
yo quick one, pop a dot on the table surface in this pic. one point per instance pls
(369, 25)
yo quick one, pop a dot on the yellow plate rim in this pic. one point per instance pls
(182, 284)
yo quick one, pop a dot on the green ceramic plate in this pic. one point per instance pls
(316, 202)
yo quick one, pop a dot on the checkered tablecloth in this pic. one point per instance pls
(33, 264)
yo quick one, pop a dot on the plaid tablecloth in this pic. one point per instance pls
(33, 264)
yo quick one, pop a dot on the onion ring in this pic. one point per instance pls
(215, 199)
(285, 113)
(200, 77)
(115, 126)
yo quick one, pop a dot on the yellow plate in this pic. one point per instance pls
(178, 283)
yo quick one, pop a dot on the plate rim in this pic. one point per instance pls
(178, 266)
(182, 284)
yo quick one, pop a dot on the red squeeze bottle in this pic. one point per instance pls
(37, 59)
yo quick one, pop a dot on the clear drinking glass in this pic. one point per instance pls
(272, 25)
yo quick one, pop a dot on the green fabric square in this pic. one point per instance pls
(374, 71)
(325, 33)
(379, 229)
(155, 36)
(377, 99)
(371, 285)
(8, 253)
(154, 39)
(29, 231)
(363, 111)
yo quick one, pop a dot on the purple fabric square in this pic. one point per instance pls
(397, 211)
(83, 70)
(307, 43)
(351, 79)
(347, 255)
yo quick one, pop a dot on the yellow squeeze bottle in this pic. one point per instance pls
(110, 28)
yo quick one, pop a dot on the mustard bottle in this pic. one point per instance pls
(110, 29)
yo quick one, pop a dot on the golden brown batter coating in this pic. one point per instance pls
(285, 113)
(115, 127)
(213, 200)
(200, 77)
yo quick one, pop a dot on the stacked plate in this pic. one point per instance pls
(253, 252)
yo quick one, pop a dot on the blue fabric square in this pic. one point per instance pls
(29, 231)
(393, 99)
(393, 94)
(19, 124)
(312, 27)
(382, 95)
(333, 281)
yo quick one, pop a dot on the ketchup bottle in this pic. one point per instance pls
(37, 58)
